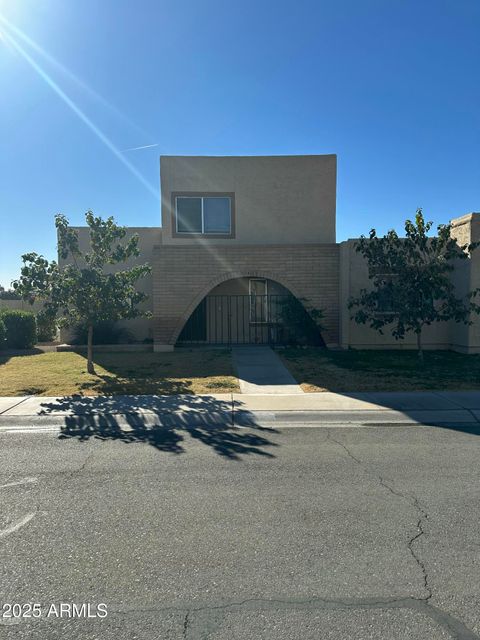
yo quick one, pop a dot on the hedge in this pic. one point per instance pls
(46, 328)
(3, 333)
(21, 328)
(105, 332)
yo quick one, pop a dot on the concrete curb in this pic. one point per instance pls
(353, 417)
(235, 419)
(124, 421)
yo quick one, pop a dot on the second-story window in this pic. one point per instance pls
(203, 214)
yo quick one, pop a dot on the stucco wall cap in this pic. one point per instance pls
(295, 155)
(468, 217)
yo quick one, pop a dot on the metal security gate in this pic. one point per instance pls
(248, 319)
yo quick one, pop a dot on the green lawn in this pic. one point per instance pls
(362, 370)
(52, 374)
(211, 371)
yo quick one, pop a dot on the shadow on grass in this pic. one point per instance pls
(132, 383)
(383, 370)
(161, 422)
(6, 354)
(154, 373)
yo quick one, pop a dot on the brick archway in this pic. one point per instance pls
(225, 277)
(184, 274)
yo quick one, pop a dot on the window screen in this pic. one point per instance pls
(216, 215)
(189, 215)
(203, 214)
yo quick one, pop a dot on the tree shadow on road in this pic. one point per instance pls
(162, 422)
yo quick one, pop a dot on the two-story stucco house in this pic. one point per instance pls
(240, 234)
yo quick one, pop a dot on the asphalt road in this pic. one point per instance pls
(308, 533)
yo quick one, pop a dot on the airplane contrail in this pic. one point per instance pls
(145, 146)
(79, 113)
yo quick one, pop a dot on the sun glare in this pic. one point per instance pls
(14, 30)
(9, 33)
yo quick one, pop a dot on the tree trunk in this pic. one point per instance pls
(90, 367)
(419, 346)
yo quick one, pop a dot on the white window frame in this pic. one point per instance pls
(251, 295)
(202, 232)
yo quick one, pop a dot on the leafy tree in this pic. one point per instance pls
(86, 289)
(412, 287)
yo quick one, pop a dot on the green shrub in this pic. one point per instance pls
(300, 327)
(103, 333)
(21, 328)
(3, 334)
(46, 328)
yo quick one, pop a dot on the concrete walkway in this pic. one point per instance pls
(260, 370)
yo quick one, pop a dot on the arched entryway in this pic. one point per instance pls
(250, 310)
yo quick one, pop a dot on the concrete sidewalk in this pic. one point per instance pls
(244, 410)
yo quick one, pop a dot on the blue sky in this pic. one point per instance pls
(391, 86)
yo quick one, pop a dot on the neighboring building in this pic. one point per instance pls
(242, 235)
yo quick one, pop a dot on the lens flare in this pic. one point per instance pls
(14, 30)
(79, 113)
(10, 40)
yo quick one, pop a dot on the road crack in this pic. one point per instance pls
(411, 499)
(185, 625)
(455, 627)
(81, 468)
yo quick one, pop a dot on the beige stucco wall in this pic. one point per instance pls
(446, 335)
(466, 338)
(353, 278)
(21, 305)
(149, 237)
(278, 199)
